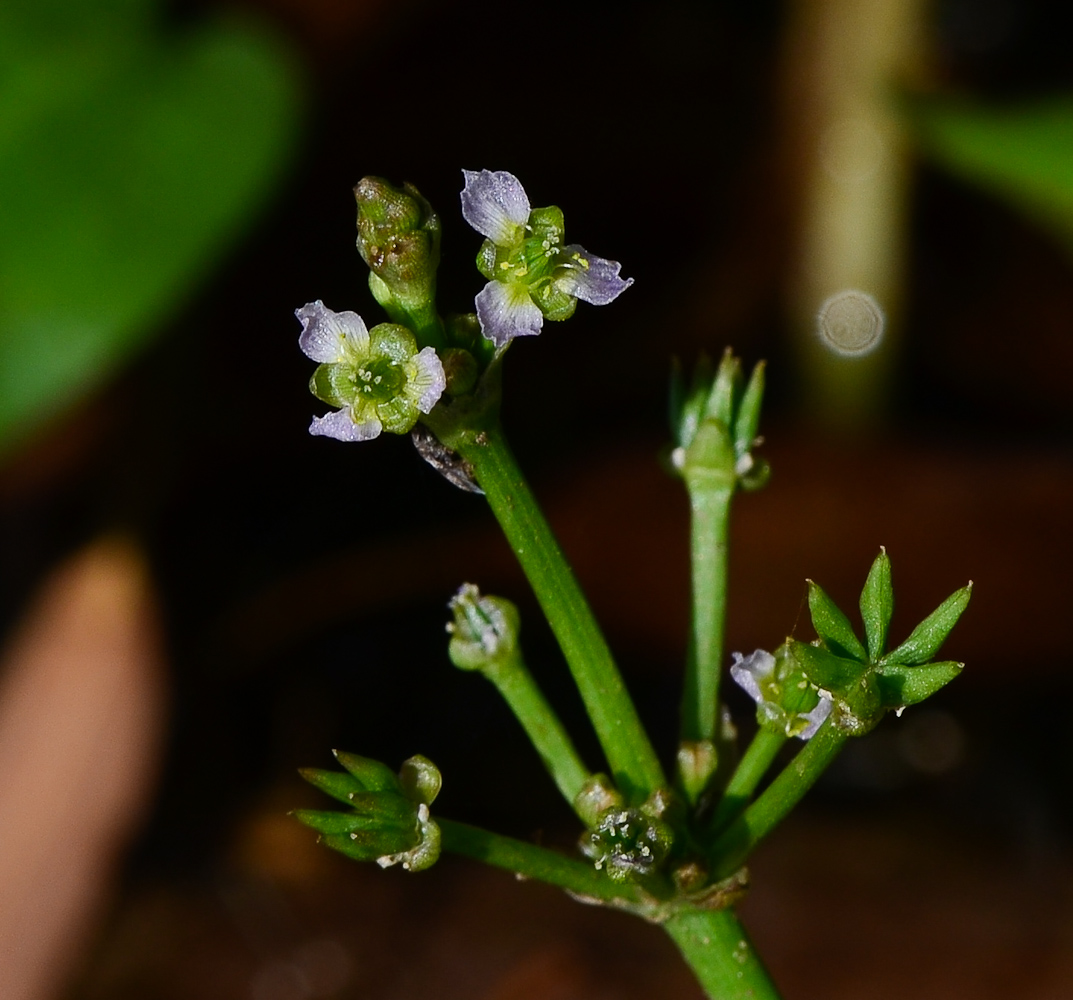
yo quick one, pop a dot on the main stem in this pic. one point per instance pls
(629, 751)
(717, 949)
(700, 696)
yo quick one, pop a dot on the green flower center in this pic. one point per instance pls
(379, 379)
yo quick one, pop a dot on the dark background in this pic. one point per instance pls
(935, 853)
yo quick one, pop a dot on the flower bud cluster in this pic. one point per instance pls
(714, 421)
(389, 820)
(629, 843)
(864, 680)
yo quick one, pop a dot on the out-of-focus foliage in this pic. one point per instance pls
(1024, 153)
(131, 155)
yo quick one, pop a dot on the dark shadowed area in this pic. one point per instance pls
(295, 588)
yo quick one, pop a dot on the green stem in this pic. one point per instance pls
(541, 724)
(750, 771)
(738, 840)
(534, 862)
(700, 697)
(717, 949)
(629, 752)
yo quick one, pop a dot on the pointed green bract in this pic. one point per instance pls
(747, 421)
(338, 785)
(373, 776)
(877, 605)
(330, 822)
(931, 633)
(721, 401)
(901, 685)
(365, 845)
(832, 626)
(823, 668)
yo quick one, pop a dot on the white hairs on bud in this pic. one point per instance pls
(850, 322)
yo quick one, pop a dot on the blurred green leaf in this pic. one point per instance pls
(1023, 154)
(129, 162)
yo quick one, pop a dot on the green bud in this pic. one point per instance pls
(460, 369)
(421, 779)
(629, 844)
(697, 763)
(715, 422)
(596, 797)
(398, 237)
(484, 632)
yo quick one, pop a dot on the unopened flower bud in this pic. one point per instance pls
(484, 632)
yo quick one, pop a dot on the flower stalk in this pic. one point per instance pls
(633, 761)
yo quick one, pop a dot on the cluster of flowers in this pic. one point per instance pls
(384, 380)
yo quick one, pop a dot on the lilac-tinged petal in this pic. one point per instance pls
(340, 425)
(590, 278)
(749, 671)
(506, 311)
(816, 718)
(427, 379)
(495, 204)
(330, 336)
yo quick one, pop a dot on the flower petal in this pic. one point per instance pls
(340, 425)
(590, 278)
(330, 336)
(816, 717)
(749, 671)
(506, 311)
(427, 379)
(495, 204)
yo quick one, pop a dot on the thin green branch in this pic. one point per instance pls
(629, 752)
(530, 861)
(717, 949)
(741, 837)
(710, 505)
(543, 727)
(750, 771)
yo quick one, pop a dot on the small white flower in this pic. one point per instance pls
(758, 675)
(532, 275)
(378, 378)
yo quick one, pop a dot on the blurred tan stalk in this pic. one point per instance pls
(81, 721)
(845, 62)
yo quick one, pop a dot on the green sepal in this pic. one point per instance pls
(339, 785)
(900, 685)
(553, 303)
(826, 670)
(877, 605)
(687, 410)
(547, 223)
(721, 399)
(363, 845)
(333, 383)
(385, 808)
(925, 640)
(747, 420)
(421, 779)
(832, 626)
(710, 456)
(371, 774)
(486, 259)
(328, 821)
